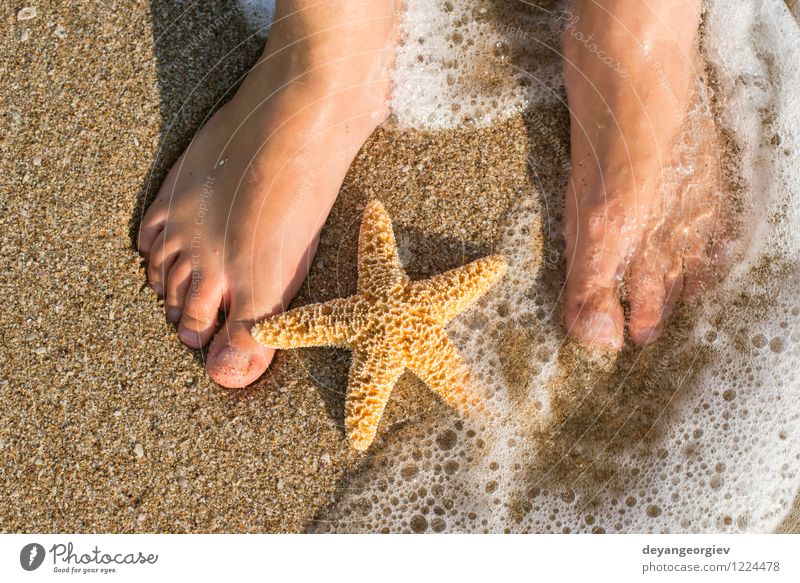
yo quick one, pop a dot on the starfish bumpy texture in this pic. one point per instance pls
(391, 324)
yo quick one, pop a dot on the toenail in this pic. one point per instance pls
(156, 287)
(599, 327)
(234, 360)
(647, 335)
(174, 314)
(189, 336)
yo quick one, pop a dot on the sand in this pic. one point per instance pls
(109, 423)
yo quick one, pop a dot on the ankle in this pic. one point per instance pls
(347, 54)
(319, 33)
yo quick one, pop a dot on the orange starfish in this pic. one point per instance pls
(391, 324)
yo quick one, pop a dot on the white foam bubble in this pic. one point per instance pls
(454, 65)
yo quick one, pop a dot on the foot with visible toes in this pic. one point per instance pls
(235, 225)
(642, 201)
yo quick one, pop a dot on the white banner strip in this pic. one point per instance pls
(461, 558)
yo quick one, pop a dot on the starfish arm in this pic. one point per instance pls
(451, 292)
(438, 364)
(372, 377)
(326, 324)
(379, 266)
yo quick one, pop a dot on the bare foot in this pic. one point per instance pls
(641, 205)
(236, 223)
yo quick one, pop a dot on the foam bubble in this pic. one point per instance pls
(465, 62)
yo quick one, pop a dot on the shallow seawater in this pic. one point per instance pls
(699, 432)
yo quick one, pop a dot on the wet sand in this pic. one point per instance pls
(109, 423)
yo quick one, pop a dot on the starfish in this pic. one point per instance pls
(391, 324)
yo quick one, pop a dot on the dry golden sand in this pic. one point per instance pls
(108, 422)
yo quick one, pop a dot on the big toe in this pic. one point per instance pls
(235, 360)
(592, 311)
(596, 323)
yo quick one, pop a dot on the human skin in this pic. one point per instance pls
(633, 232)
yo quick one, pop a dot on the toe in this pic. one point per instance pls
(148, 232)
(592, 310)
(655, 285)
(200, 308)
(162, 256)
(235, 360)
(594, 316)
(178, 281)
(151, 227)
(155, 219)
